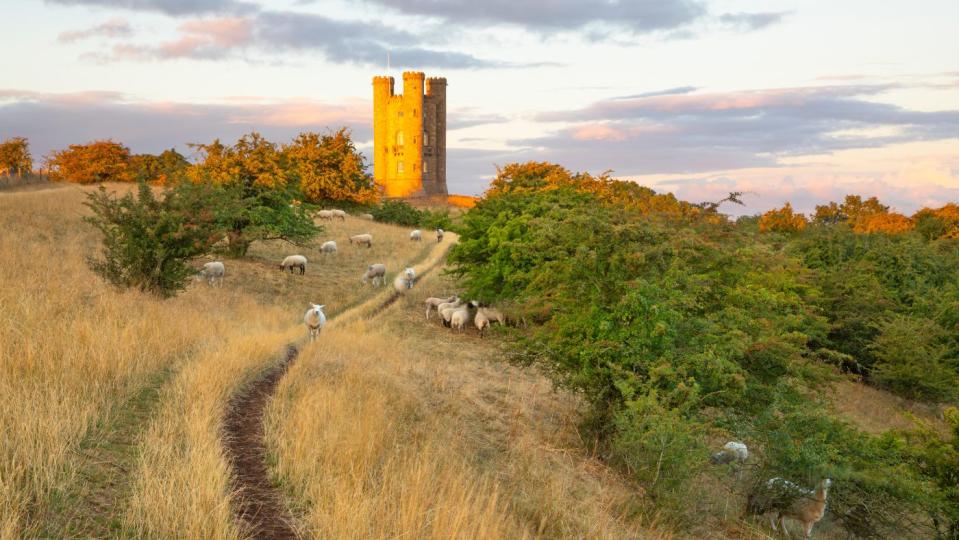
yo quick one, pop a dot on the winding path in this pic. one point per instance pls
(258, 504)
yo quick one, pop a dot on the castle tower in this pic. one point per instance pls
(409, 136)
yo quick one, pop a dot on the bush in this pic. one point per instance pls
(911, 360)
(147, 241)
(402, 213)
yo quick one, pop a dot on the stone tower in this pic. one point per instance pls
(409, 136)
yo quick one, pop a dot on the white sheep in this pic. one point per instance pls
(439, 235)
(212, 272)
(315, 319)
(460, 317)
(788, 500)
(433, 303)
(328, 247)
(365, 238)
(416, 236)
(338, 214)
(294, 261)
(405, 280)
(446, 309)
(732, 452)
(366, 216)
(493, 314)
(375, 272)
(481, 321)
(325, 214)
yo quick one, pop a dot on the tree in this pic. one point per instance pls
(15, 157)
(95, 162)
(885, 223)
(782, 220)
(167, 168)
(328, 167)
(937, 223)
(147, 241)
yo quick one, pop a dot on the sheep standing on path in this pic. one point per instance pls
(416, 236)
(789, 500)
(375, 272)
(405, 280)
(366, 238)
(439, 235)
(212, 272)
(315, 319)
(434, 303)
(328, 247)
(294, 261)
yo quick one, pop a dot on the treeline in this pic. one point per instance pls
(681, 328)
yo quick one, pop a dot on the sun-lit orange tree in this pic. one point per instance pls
(328, 167)
(166, 168)
(782, 220)
(934, 223)
(94, 162)
(15, 157)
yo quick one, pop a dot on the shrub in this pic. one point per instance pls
(911, 359)
(147, 241)
(398, 212)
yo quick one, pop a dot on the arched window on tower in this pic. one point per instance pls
(399, 138)
(426, 138)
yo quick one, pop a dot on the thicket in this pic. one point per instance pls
(675, 324)
(402, 213)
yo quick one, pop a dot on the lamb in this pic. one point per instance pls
(433, 303)
(787, 499)
(294, 261)
(315, 319)
(212, 272)
(404, 280)
(328, 247)
(325, 214)
(439, 235)
(416, 236)
(732, 452)
(366, 216)
(338, 214)
(366, 238)
(376, 272)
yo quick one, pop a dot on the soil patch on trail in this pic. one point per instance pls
(258, 504)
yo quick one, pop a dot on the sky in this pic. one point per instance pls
(787, 100)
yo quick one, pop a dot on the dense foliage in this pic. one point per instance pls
(402, 213)
(15, 157)
(328, 167)
(91, 163)
(674, 324)
(169, 167)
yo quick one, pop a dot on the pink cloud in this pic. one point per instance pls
(598, 132)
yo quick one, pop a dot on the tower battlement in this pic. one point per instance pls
(409, 135)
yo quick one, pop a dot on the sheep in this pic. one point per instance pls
(376, 272)
(494, 314)
(787, 499)
(416, 236)
(315, 319)
(439, 235)
(294, 261)
(446, 309)
(732, 452)
(366, 238)
(212, 272)
(405, 280)
(338, 214)
(481, 321)
(325, 214)
(433, 303)
(461, 316)
(366, 216)
(328, 247)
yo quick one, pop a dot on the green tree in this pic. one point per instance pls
(169, 167)
(15, 157)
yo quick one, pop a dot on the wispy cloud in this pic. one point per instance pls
(751, 21)
(169, 7)
(114, 28)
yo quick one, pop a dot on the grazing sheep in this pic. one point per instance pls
(212, 272)
(732, 452)
(366, 238)
(446, 309)
(416, 236)
(328, 247)
(338, 214)
(439, 235)
(294, 261)
(481, 321)
(433, 303)
(366, 216)
(789, 500)
(325, 214)
(493, 314)
(460, 317)
(315, 319)
(405, 280)
(375, 272)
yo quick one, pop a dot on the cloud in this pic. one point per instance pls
(114, 28)
(751, 21)
(666, 92)
(469, 117)
(54, 121)
(273, 32)
(168, 7)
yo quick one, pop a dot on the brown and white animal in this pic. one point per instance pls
(785, 499)
(328, 247)
(315, 320)
(416, 235)
(375, 272)
(212, 272)
(294, 261)
(439, 235)
(433, 303)
(365, 238)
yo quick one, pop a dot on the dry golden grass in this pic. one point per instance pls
(398, 428)
(874, 410)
